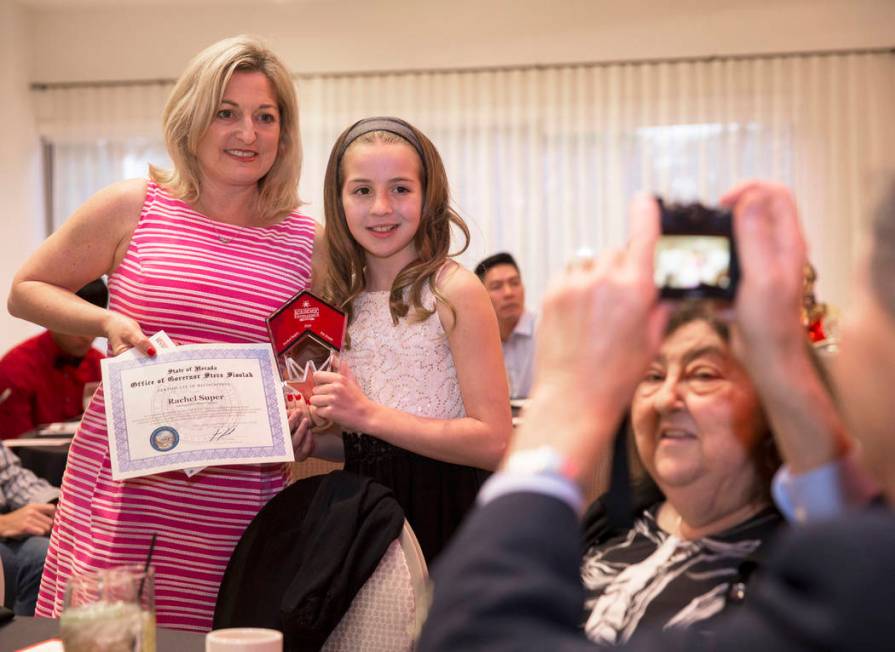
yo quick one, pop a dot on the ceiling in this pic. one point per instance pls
(83, 4)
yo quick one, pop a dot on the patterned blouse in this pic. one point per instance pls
(647, 577)
(19, 486)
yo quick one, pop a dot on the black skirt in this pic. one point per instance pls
(435, 495)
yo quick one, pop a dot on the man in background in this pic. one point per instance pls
(500, 275)
(26, 517)
(42, 379)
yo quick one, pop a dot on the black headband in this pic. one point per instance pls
(383, 123)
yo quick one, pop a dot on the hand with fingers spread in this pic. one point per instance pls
(600, 328)
(338, 398)
(124, 333)
(35, 519)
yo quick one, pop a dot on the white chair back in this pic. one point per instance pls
(386, 613)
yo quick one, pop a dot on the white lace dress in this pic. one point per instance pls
(409, 367)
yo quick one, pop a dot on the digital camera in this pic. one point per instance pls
(696, 255)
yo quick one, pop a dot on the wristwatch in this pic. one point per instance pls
(543, 460)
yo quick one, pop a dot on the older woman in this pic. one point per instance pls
(702, 437)
(204, 251)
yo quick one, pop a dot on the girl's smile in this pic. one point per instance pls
(383, 231)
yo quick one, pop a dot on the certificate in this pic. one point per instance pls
(193, 406)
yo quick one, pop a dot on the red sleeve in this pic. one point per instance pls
(91, 370)
(16, 412)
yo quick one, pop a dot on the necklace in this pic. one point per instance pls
(223, 239)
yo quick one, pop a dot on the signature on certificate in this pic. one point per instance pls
(222, 433)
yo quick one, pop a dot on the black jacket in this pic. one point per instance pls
(303, 558)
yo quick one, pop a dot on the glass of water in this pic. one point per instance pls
(111, 610)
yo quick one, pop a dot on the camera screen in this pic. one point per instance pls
(688, 262)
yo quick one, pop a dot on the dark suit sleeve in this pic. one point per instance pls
(829, 586)
(510, 580)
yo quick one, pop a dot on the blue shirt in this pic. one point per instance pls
(519, 354)
(825, 492)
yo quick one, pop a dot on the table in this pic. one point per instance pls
(23, 631)
(44, 450)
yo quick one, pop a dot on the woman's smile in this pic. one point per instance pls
(242, 155)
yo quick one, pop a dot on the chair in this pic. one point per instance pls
(302, 561)
(387, 611)
(311, 467)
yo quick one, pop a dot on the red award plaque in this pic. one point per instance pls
(306, 332)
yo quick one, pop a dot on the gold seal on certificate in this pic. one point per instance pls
(194, 406)
(306, 332)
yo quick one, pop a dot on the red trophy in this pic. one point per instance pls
(306, 332)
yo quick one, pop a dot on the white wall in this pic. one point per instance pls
(21, 205)
(129, 41)
(89, 40)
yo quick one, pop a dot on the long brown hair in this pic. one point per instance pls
(345, 278)
(191, 108)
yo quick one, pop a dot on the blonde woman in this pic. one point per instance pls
(204, 251)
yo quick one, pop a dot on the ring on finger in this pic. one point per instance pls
(582, 259)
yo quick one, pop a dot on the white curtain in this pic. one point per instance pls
(543, 161)
(99, 135)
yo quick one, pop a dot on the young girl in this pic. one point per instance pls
(421, 393)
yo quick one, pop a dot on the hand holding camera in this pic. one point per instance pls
(602, 322)
(600, 327)
(702, 252)
(773, 250)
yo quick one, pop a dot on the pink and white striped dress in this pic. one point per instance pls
(200, 281)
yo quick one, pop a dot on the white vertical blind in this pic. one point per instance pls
(543, 161)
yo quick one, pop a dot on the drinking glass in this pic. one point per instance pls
(244, 639)
(111, 610)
